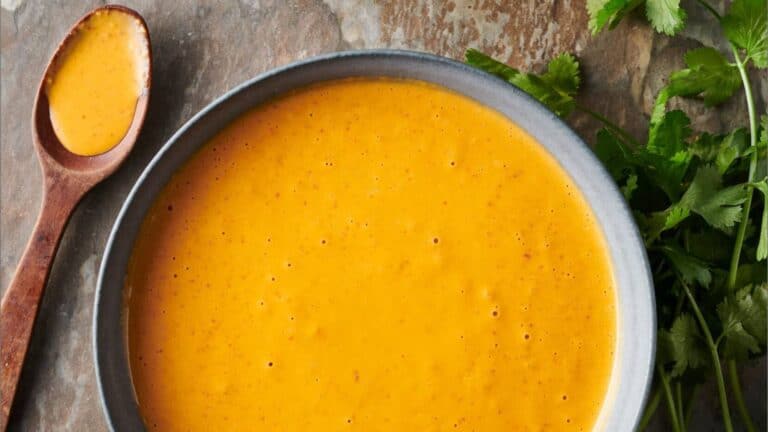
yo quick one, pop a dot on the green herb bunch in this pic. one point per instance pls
(699, 200)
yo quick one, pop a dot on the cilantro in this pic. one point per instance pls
(488, 64)
(691, 269)
(708, 74)
(555, 88)
(706, 244)
(544, 92)
(684, 345)
(629, 186)
(666, 154)
(721, 150)
(761, 148)
(762, 245)
(658, 222)
(563, 74)
(615, 156)
(745, 26)
(666, 16)
(744, 322)
(731, 148)
(705, 147)
(608, 13)
(720, 207)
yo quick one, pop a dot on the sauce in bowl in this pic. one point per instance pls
(371, 254)
(95, 84)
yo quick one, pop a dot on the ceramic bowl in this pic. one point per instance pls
(636, 331)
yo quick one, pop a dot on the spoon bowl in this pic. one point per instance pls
(49, 147)
(66, 178)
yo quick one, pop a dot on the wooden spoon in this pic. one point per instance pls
(66, 178)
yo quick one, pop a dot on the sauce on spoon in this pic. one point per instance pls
(96, 82)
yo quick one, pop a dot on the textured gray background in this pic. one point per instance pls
(203, 48)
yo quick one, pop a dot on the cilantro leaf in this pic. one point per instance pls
(707, 244)
(731, 148)
(487, 63)
(738, 342)
(556, 88)
(720, 207)
(705, 147)
(745, 26)
(658, 222)
(666, 16)
(690, 268)
(743, 317)
(560, 103)
(668, 136)
(723, 151)
(615, 156)
(609, 13)
(708, 75)
(630, 186)
(563, 74)
(666, 156)
(675, 215)
(761, 148)
(685, 345)
(660, 106)
(762, 245)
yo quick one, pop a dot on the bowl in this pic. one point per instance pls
(636, 322)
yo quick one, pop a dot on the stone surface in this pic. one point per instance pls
(203, 48)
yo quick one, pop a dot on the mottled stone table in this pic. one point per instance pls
(203, 48)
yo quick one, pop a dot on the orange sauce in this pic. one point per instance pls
(371, 255)
(93, 90)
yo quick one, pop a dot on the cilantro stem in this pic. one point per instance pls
(732, 273)
(738, 396)
(669, 398)
(740, 233)
(679, 399)
(715, 358)
(650, 408)
(609, 124)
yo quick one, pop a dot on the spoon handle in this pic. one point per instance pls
(22, 298)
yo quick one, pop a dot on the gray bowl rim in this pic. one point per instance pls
(636, 316)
